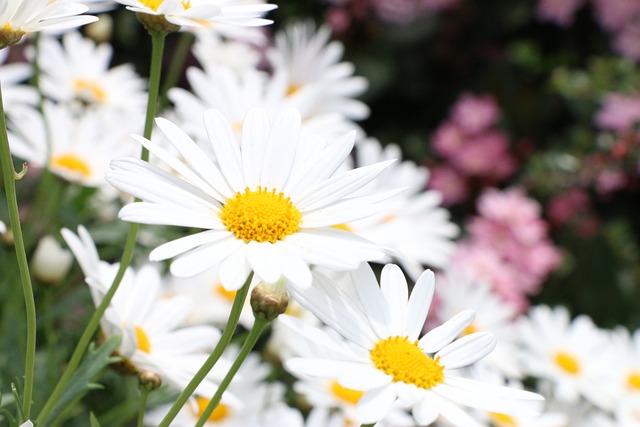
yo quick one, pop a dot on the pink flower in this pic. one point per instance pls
(627, 41)
(449, 183)
(448, 140)
(613, 15)
(560, 12)
(619, 112)
(398, 11)
(563, 207)
(474, 114)
(438, 5)
(482, 153)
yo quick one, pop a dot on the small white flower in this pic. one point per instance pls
(50, 262)
(3, 228)
(267, 206)
(11, 75)
(382, 352)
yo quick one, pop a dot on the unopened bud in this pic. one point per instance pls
(101, 30)
(149, 381)
(156, 23)
(269, 300)
(50, 262)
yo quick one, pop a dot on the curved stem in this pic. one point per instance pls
(176, 68)
(225, 339)
(9, 177)
(144, 393)
(259, 325)
(157, 40)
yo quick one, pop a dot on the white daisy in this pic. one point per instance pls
(151, 339)
(309, 75)
(203, 13)
(212, 51)
(624, 374)
(267, 206)
(569, 353)
(382, 354)
(11, 75)
(20, 17)
(459, 292)
(416, 227)
(77, 71)
(81, 146)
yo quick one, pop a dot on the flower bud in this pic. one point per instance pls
(156, 23)
(101, 30)
(50, 262)
(149, 381)
(269, 300)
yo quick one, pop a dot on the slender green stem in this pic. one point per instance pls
(180, 54)
(259, 325)
(9, 177)
(144, 394)
(50, 335)
(225, 339)
(127, 254)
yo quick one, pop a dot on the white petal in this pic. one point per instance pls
(419, 304)
(255, 131)
(264, 260)
(202, 258)
(426, 410)
(467, 350)
(375, 306)
(234, 270)
(226, 149)
(375, 404)
(439, 337)
(453, 414)
(395, 291)
(281, 149)
(184, 244)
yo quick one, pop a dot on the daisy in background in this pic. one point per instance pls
(211, 50)
(11, 75)
(80, 146)
(573, 355)
(415, 227)
(623, 380)
(259, 397)
(76, 71)
(268, 206)
(381, 353)
(20, 17)
(308, 73)
(149, 325)
(204, 13)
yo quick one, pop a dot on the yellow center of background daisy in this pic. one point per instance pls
(347, 394)
(260, 216)
(502, 420)
(567, 362)
(228, 295)
(406, 362)
(633, 381)
(71, 163)
(220, 413)
(89, 90)
(142, 340)
(155, 4)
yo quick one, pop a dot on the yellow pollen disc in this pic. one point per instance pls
(260, 216)
(502, 420)
(228, 295)
(567, 362)
(633, 381)
(7, 26)
(293, 88)
(143, 340)
(88, 89)
(344, 227)
(406, 362)
(72, 164)
(218, 414)
(346, 394)
(471, 329)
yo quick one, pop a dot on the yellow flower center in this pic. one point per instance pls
(347, 394)
(155, 4)
(143, 340)
(567, 362)
(219, 413)
(228, 295)
(71, 163)
(293, 88)
(502, 420)
(89, 90)
(471, 329)
(344, 227)
(406, 362)
(260, 216)
(633, 380)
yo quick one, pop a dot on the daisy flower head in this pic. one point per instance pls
(20, 17)
(382, 354)
(269, 205)
(202, 13)
(76, 71)
(152, 339)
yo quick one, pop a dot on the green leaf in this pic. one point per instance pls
(93, 421)
(94, 362)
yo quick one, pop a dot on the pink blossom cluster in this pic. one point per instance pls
(508, 245)
(471, 146)
(559, 12)
(622, 19)
(343, 12)
(619, 112)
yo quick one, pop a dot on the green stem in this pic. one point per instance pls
(50, 335)
(144, 393)
(9, 177)
(259, 325)
(180, 54)
(157, 41)
(222, 345)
